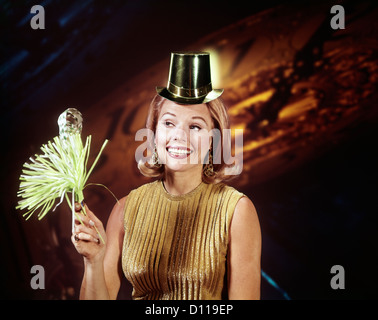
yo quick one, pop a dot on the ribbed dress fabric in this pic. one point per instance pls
(175, 247)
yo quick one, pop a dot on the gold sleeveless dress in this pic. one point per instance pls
(175, 247)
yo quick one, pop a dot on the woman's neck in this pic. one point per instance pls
(180, 183)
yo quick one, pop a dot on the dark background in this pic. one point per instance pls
(314, 189)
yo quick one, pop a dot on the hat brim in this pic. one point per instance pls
(212, 95)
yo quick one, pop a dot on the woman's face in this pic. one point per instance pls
(183, 135)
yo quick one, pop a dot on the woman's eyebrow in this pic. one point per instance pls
(198, 117)
(169, 113)
(195, 117)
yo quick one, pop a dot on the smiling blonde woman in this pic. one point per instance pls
(187, 235)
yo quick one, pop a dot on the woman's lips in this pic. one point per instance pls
(179, 152)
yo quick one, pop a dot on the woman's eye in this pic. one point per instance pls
(195, 127)
(168, 123)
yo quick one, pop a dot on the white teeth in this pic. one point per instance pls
(178, 151)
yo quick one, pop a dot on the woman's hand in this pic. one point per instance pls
(86, 239)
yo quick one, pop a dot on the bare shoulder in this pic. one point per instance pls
(245, 204)
(116, 216)
(120, 205)
(245, 211)
(245, 220)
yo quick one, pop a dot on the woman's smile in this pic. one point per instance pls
(178, 152)
(182, 136)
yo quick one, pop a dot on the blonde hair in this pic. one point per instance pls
(221, 121)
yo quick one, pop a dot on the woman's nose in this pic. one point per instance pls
(178, 134)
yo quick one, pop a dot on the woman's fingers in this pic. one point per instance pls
(86, 237)
(81, 218)
(87, 219)
(85, 233)
(77, 207)
(94, 220)
(95, 223)
(84, 229)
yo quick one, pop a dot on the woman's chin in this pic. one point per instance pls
(178, 163)
(181, 165)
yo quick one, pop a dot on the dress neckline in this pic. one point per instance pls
(183, 196)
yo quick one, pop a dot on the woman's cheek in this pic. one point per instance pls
(202, 145)
(160, 142)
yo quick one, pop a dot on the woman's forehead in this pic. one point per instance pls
(181, 110)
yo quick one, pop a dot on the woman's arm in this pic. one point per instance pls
(102, 273)
(244, 271)
(112, 262)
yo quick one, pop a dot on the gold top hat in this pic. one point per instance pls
(189, 79)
